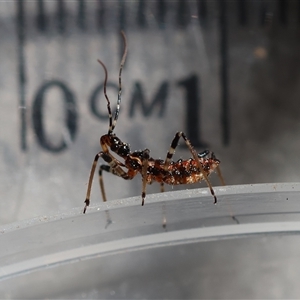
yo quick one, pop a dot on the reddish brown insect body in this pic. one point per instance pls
(192, 170)
(180, 172)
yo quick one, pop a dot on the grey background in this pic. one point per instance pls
(263, 76)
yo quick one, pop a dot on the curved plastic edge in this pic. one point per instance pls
(145, 242)
(154, 198)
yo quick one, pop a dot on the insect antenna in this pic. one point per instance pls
(120, 82)
(110, 129)
(112, 123)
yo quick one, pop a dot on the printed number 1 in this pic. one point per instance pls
(192, 97)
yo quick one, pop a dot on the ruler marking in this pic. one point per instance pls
(122, 17)
(61, 16)
(21, 73)
(161, 13)
(299, 11)
(141, 20)
(263, 13)
(182, 14)
(100, 13)
(81, 17)
(41, 16)
(242, 12)
(282, 9)
(202, 12)
(224, 73)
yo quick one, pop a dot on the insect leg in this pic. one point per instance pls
(219, 171)
(145, 159)
(101, 183)
(116, 170)
(106, 168)
(88, 193)
(114, 166)
(164, 222)
(220, 176)
(171, 152)
(205, 154)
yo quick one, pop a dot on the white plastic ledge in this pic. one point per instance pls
(159, 197)
(154, 240)
(144, 242)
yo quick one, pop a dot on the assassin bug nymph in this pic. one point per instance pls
(192, 170)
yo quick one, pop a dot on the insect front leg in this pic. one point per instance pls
(90, 182)
(106, 168)
(114, 165)
(118, 171)
(109, 169)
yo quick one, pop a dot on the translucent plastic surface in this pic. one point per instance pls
(246, 246)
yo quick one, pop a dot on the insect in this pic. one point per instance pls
(192, 170)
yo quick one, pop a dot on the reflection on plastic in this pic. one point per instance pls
(203, 253)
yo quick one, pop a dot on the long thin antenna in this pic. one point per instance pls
(110, 129)
(120, 82)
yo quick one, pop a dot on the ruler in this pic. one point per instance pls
(195, 66)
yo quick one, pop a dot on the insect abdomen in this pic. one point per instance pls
(184, 172)
(180, 172)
